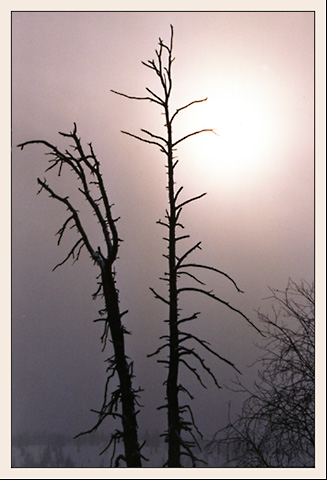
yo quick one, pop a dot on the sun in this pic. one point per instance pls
(244, 121)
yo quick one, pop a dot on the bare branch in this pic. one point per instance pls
(145, 140)
(177, 193)
(159, 296)
(194, 371)
(158, 350)
(63, 228)
(162, 223)
(188, 319)
(156, 96)
(182, 258)
(137, 98)
(194, 133)
(70, 254)
(186, 106)
(190, 200)
(75, 215)
(190, 351)
(204, 344)
(153, 135)
(206, 267)
(211, 295)
(183, 237)
(192, 276)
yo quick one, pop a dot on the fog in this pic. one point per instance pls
(256, 222)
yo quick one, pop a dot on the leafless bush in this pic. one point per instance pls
(276, 425)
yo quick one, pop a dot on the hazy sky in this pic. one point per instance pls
(256, 223)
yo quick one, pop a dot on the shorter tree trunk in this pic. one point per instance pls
(132, 448)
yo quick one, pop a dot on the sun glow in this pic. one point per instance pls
(245, 125)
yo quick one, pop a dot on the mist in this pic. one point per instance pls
(256, 222)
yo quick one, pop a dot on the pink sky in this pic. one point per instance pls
(256, 223)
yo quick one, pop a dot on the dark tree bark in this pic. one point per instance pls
(177, 340)
(86, 167)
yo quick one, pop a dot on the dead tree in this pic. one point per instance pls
(178, 341)
(276, 426)
(122, 402)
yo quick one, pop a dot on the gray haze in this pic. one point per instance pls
(256, 223)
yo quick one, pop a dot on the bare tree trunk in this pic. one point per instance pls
(177, 339)
(131, 445)
(87, 169)
(174, 427)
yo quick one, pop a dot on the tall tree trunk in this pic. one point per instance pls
(177, 340)
(174, 430)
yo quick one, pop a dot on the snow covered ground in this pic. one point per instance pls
(77, 454)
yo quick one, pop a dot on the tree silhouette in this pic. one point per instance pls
(178, 342)
(120, 403)
(277, 423)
